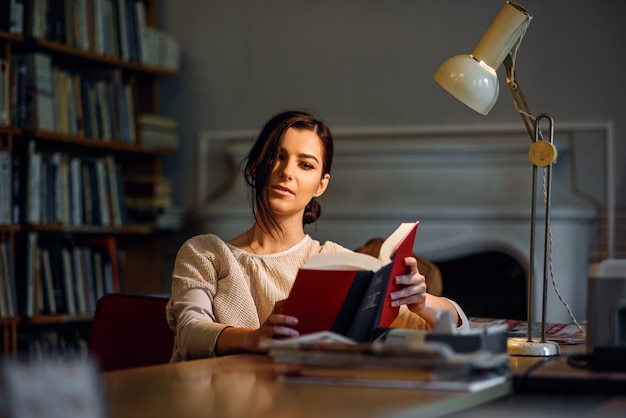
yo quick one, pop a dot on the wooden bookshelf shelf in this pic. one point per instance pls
(94, 57)
(113, 145)
(58, 319)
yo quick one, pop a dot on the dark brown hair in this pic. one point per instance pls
(263, 156)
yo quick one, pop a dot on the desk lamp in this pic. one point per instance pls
(473, 80)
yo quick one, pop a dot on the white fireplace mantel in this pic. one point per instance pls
(469, 186)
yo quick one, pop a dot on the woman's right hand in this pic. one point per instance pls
(276, 326)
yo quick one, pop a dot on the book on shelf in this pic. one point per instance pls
(49, 295)
(149, 201)
(68, 101)
(157, 130)
(110, 273)
(154, 46)
(11, 16)
(147, 185)
(68, 280)
(348, 293)
(17, 190)
(172, 218)
(33, 205)
(6, 195)
(157, 122)
(107, 105)
(47, 302)
(39, 91)
(4, 279)
(7, 276)
(58, 296)
(18, 99)
(30, 293)
(5, 90)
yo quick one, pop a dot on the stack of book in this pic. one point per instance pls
(329, 358)
(158, 131)
(171, 218)
(149, 201)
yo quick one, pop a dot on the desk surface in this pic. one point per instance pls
(245, 386)
(549, 387)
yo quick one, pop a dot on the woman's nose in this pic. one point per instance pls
(286, 170)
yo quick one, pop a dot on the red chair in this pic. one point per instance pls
(130, 331)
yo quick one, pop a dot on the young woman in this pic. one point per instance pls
(226, 295)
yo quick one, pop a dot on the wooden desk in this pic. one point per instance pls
(245, 386)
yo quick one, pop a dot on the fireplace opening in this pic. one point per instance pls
(490, 284)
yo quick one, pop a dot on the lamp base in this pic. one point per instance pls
(534, 348)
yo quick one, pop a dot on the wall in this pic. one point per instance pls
(371, 63)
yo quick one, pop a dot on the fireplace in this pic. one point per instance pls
(468, 185)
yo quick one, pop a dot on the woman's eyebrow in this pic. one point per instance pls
(302, 155)
(313, 157)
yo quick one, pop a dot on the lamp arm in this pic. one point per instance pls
(519, 100)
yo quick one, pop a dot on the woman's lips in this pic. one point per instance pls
(282, 190)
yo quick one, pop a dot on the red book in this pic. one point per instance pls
(348, 293)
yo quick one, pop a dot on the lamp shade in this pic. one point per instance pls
(472, 78)
(470, 81)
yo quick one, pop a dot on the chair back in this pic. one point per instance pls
(130, 330)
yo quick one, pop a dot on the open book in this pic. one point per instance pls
(348, 293)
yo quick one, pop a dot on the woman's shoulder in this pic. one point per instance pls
(203, 243)
(330, 247)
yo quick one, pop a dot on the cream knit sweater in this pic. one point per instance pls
(216, 285)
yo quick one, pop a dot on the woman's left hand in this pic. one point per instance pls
(414, 295)
(414, 290)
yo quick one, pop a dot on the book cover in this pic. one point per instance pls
(5, 186)
(8, 278)
(4, 280)
(69, 279)
(348, 293)
(48, 303)
(32, 266)
(56, 270)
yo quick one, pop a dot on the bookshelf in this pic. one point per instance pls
(76, 78)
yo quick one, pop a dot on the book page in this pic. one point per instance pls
(342, 261)
(393, 241)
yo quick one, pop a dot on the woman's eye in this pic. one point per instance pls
(307, 166)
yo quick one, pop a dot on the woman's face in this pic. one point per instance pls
(297, 176)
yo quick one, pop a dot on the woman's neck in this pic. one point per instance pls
(257, 240)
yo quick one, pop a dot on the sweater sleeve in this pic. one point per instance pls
(196, 336)
(201, 263)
